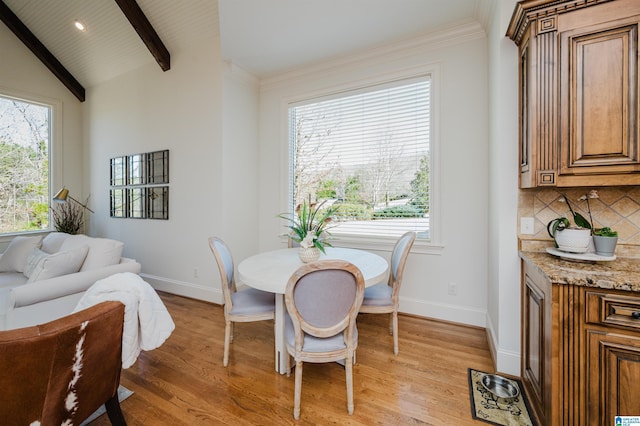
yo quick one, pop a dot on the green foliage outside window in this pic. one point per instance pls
(24, 166)
(420, 186)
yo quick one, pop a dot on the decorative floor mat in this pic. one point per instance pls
(491, 409)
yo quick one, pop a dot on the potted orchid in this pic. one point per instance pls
(309, 227)
(572, 238)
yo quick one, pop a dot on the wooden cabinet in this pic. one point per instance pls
(611, 348)
(549, 371)
(578, 100)
(536, 344)
(580, 351)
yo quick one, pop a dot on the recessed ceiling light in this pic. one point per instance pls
(79, 25)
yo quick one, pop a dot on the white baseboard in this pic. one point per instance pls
(186, 289)
(452, 313)
(507, 362)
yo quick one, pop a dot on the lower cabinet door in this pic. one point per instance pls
(613, 377)
(534, 349)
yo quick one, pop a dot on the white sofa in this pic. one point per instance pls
(42, 279)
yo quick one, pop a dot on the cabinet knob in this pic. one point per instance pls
(635, 315)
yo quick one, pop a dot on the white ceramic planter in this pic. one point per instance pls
(573, 240)
(310, 254)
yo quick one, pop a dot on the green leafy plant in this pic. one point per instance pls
(398, 211)
(605, 232)
(309, 225)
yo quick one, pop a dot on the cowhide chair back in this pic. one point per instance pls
(60, 372)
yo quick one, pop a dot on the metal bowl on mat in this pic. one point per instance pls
(499, 386)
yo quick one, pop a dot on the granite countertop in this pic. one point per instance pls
(620, 274)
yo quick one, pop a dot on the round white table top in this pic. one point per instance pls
(270, 271)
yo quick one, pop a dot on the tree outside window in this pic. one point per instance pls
(367, 152)
(24, 165)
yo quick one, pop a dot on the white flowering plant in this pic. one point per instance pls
(309, 225)
(562, 222)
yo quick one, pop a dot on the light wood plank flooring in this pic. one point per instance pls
(184, 382)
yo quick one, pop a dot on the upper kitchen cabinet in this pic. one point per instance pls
(578, 101)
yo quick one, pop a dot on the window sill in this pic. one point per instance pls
(384, 244)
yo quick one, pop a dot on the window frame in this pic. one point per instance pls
(56, 165)
(374, 242)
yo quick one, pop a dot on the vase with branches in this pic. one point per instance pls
(68, 217)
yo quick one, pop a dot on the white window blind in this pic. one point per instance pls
(366, 151)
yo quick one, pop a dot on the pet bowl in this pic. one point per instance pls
(499, 386)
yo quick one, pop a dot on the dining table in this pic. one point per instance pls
(270, 271)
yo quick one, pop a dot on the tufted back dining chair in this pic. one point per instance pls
(382, 298)
(322, 300)
(62, 371)
(245, 305)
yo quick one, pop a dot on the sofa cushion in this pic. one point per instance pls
(15, 256)
(12, 279)
(53, 241)
(33, 259)
(102, 251)
(63, 262)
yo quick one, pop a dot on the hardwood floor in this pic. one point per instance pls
(184, 382)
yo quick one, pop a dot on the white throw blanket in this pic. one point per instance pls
(147, 323)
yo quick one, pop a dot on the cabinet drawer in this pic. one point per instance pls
(613, 309)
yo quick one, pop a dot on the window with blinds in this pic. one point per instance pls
(366, 151)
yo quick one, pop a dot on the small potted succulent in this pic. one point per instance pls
(605, 240)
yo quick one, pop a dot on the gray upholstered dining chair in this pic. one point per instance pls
(322, 300)
(291, 243)
(245, 305)
(382, 298)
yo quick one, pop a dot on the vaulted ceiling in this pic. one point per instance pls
(265, 37)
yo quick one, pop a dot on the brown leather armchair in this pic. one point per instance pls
(62, 371)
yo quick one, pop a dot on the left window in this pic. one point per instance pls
(25, 145)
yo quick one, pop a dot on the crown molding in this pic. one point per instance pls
(527, 11)
(237, 73)
(483, 13)
(456, 34)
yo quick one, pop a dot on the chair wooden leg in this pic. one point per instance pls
(391, 323)
(114, 412)
(227, 342)
(395, 333)
(298, 390)
(348, 367)
(288, 363)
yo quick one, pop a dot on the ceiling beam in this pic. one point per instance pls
(146, 32)
(31, 41)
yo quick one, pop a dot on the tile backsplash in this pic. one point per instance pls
(618, 207)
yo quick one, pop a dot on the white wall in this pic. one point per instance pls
(461, 126)
(503, 313)
(23, 75)
(212, 184)
(226, 182)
